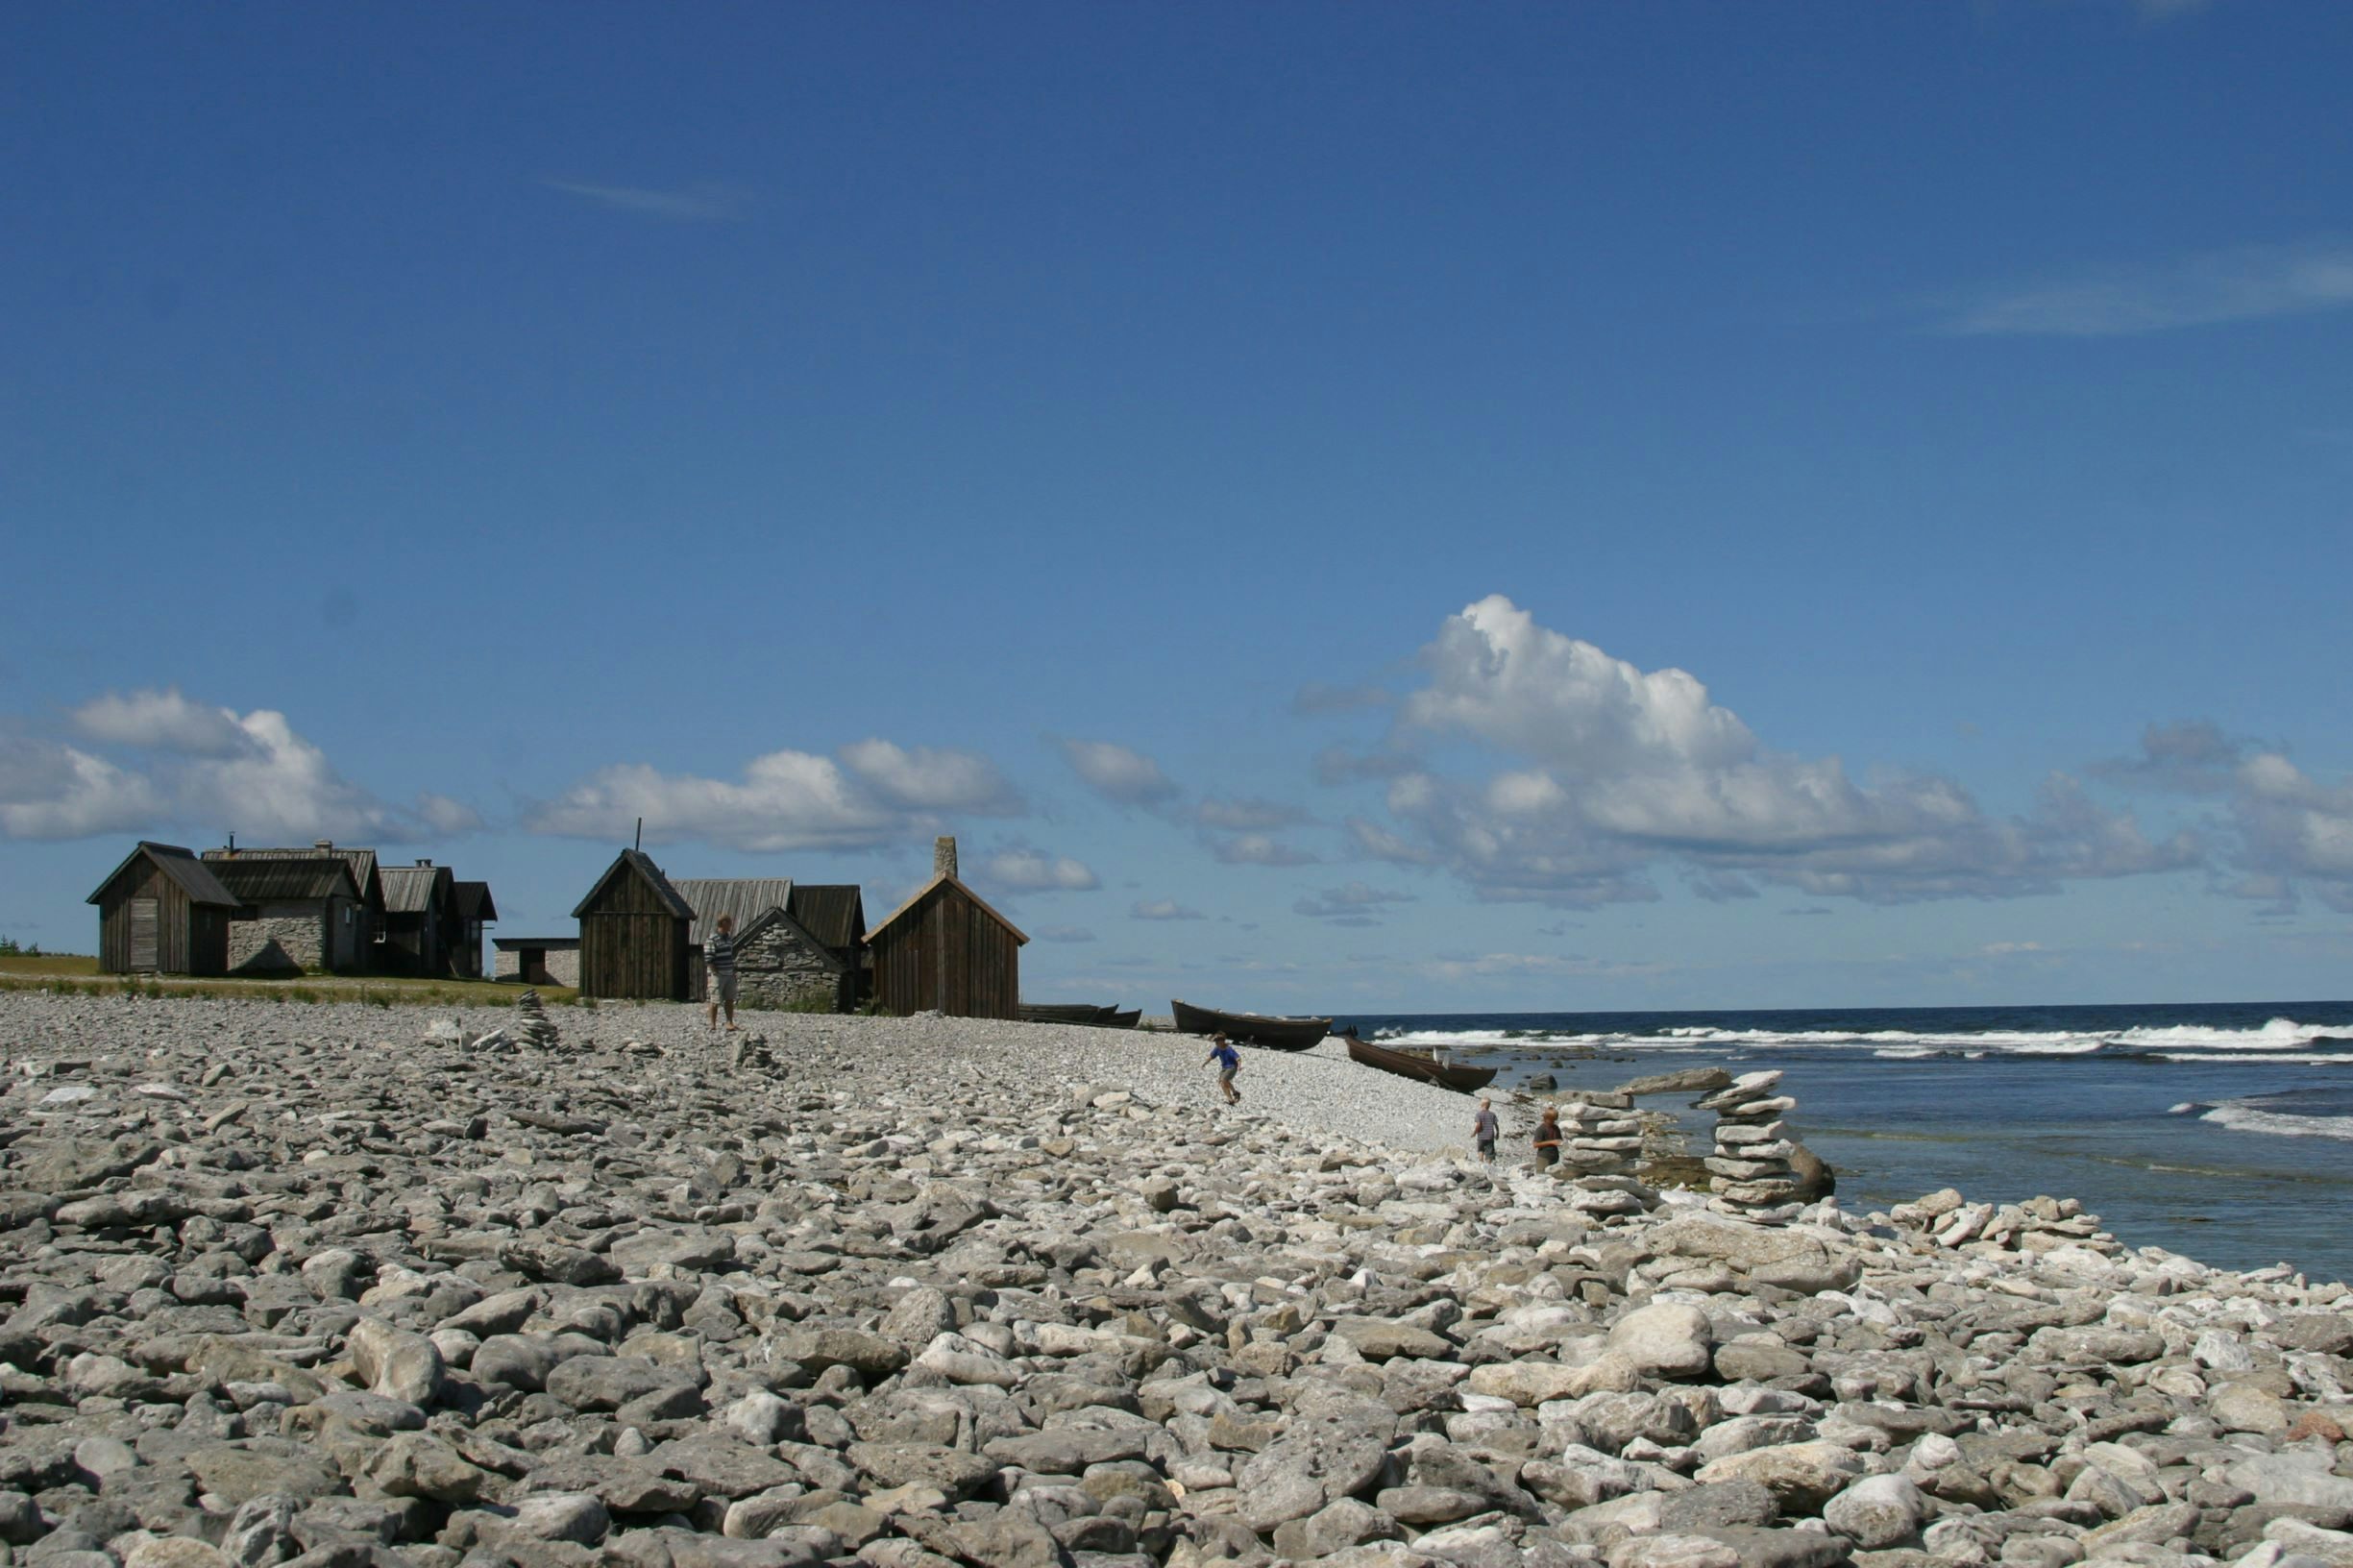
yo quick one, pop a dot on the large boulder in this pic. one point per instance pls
(1668, 1339)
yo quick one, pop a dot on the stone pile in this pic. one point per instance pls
(278, 1293)
(1750, 1172)
(1601, 1141)
(533, 1022)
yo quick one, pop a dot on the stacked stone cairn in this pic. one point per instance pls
(534, 1025)
(1750, 1171)
(751, 1055)
(1601, 1139)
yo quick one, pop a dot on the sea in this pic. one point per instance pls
(2221, 1131)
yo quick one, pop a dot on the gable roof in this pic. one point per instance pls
(275, 879)
(472, 902)
(362, 863)
(745, 898)
(641, 863)
(412, 889)
(193, 878)
(775, 915)
(934, 886)
(834, 913)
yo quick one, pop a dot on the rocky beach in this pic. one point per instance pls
(365, 1287)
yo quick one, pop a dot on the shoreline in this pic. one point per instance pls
(296, 1282)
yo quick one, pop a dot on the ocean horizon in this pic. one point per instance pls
(2222, 1131)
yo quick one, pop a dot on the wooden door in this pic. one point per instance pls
(144, 929)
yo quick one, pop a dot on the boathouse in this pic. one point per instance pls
(295, 914)
(945, 950)
(163, 912)
(633, 933)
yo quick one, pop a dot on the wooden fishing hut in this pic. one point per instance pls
(945, 950)
(633, 933)
(163, 912)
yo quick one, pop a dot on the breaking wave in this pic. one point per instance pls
(2278, 1040)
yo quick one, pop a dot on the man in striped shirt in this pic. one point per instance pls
(719, 960)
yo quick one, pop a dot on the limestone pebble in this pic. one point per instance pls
(323, 1288)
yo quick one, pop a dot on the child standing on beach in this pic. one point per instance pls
(1229, 1063)
(1548, 1139)
(1484, 1128)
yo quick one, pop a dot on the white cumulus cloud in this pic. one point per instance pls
(1259, 850)
(876, 793)
(1607, 771)
(1119, 774)
(1034, 870)
(924, 778)
(1164, 908)
(202, 768)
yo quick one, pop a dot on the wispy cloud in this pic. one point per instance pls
(703, 202)
(2249, 283)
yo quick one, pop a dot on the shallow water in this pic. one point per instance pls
(2224, 1132)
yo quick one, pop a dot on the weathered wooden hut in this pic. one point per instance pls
(538, 961)
(633, 933)
(779, 961)
(945, 950)
(471, 908)
(295, 913)
(368, 919)
(163, 912)
(415, 935)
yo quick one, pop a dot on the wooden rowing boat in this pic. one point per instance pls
(1414, 1064)
(1086, 1013)
(1251, 1028)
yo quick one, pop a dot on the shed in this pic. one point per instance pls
(294, 915)
(415, 935)
(538, 961)
(945, 950)
(633, 933)
(779, 961)
(471, 908)
(369, 919)
(163, 912)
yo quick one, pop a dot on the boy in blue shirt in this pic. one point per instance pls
(1229, 1063)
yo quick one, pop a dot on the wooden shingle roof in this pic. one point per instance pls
(194, 876)
(933, 886)
(641, 864)
(472, 902)
(412, 889)
(834, 913)
(745, 898)
(362, 863)
(271, 879)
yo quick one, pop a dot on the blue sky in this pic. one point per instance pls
(1347, 507)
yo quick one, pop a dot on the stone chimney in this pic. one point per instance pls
(322, 844)
(427, 864)
(943, 856)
